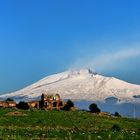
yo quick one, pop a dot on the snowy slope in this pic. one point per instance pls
(82, 85)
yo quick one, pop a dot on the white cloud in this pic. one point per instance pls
(105, 61)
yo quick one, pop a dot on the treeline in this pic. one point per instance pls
(93, 108)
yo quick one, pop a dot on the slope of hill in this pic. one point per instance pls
(65, 125)
(81, 85)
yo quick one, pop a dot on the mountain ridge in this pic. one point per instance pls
(80, 84)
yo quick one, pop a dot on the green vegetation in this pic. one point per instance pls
(9, 99)
(66, 125)
(116, 127)
(94, 108)
(41, 102)
(22, 105)
(117, 114)
(69, 104)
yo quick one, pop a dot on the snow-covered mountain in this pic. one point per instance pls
(81, 85)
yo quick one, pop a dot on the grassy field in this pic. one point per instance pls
(55, 125)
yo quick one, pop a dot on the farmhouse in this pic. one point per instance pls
(53, 102)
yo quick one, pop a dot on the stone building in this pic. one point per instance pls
(53, 102)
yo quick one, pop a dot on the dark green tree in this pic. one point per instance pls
(68, 105)
(116, 127)
(117, 114)
(9, 99)
(41, 102)
(94, 108)
(22, 105)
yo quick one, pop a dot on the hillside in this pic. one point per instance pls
(61, 125)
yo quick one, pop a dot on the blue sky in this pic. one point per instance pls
(38, 38)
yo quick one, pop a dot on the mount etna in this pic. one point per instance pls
(85, 86)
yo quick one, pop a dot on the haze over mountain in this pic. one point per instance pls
(82, 84)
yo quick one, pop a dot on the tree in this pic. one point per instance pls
(9, 99)
(41, 103)
(68, 105)
(117, 114)
(116, 127)
(94, 108)
(23, 105)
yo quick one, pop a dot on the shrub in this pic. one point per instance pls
(68, 105)
(117, 114)
(9, 99)
(116, 127)
(94, 108)
(22, 105)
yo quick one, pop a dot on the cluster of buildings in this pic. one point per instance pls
(8, 104)
(47, 102)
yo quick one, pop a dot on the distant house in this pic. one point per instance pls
(7, 104)
(53, 102)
